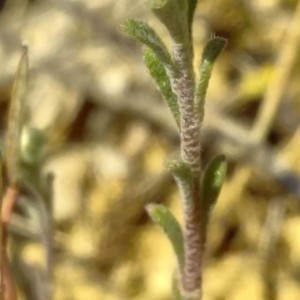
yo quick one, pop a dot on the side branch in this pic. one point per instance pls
(7, 283)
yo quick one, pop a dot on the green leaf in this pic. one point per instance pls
(173, 14)
(145, 34)
(191, 11)
(180, 169)
(213, 48)
(211, 51)
(165, 219)
(184, 178)
(32, 145)
(212, 181)
(176, 294)
(15, 118)
(160, 4)
(161, 78)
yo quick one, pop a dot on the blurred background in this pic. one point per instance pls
(109, 134)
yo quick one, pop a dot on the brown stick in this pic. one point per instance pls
(7, 282)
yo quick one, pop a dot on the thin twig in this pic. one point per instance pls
(268, 111)
(267, 247)
(275, 90)
(12, 149)
(1, 230)
(279, 80)
(7, 282)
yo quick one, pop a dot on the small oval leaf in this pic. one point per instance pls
(210, 53)
(212, 181)
(161, 78)
(173, 14)
(145, 34)
(33, 142)
(162, 216)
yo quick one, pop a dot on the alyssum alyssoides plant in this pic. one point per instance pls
(21, 161)
(185, 95)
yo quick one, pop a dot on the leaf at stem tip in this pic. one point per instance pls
(191, 11)
(173, 14)
(213, 48)
(145, 34)
(15, 118)
(212, 181)
(155, 4)
(165, 219)
(210, 53)
(159, 4)
(160, 76)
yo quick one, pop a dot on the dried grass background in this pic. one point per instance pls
(109, 133)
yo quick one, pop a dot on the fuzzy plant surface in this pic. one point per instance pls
(184, 93)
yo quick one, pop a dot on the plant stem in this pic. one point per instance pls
(193, 242)
(184, 86)
(268, 250)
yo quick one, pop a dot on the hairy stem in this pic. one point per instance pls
(192, 275)
(184, 86)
